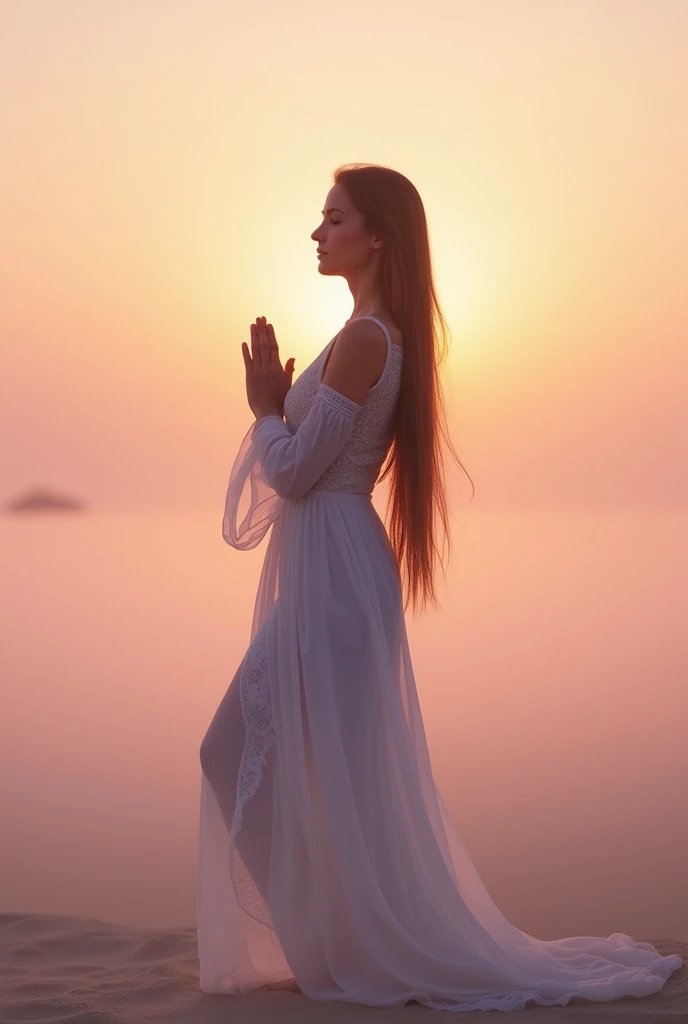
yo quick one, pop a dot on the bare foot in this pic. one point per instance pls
(290, 984)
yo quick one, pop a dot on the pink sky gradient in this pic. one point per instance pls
(163, 165)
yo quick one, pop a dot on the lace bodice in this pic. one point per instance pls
(357, 467)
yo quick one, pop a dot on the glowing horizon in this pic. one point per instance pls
(163, 175)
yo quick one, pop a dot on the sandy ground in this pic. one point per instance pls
(86, 971)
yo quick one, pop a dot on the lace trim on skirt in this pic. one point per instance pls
(259, 737)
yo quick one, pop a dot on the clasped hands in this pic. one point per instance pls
(267, 382)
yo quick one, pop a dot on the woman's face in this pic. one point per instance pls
(341, 236)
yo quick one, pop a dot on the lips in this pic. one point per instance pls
(321, 253)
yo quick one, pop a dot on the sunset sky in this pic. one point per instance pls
(164, 163)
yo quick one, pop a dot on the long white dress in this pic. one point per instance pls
(326, 853)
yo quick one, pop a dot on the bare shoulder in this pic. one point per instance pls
(356, 360)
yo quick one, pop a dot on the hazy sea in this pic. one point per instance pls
(553, 682)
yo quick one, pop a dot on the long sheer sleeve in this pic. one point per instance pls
(277, 465)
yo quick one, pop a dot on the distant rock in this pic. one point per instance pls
(43, 500)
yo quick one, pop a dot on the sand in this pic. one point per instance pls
(75, 969)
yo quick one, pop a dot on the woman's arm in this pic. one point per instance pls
(277, 465)
(292, 463)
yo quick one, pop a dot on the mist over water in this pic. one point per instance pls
(552, 682)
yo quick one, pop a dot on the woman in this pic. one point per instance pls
(327, 860)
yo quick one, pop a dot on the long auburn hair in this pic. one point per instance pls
(391, 207)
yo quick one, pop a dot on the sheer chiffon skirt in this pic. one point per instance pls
(326, 852)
